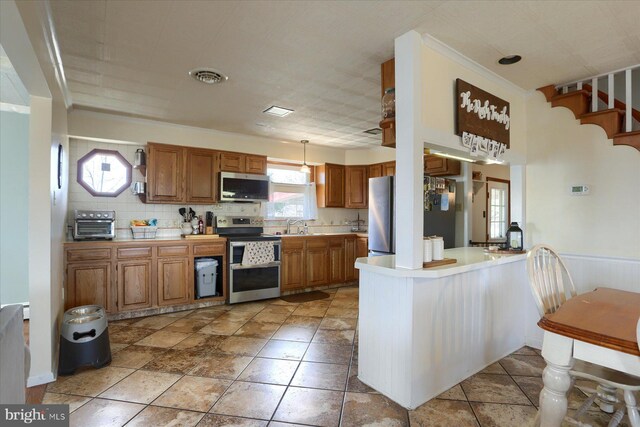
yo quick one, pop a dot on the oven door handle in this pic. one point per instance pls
(244, 267)
(243, 244)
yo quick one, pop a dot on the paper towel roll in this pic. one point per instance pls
(438, 248)
(428, 250)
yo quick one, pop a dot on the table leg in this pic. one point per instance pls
(553, 397)
(632, 408)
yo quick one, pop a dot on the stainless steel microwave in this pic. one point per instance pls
(243, 187)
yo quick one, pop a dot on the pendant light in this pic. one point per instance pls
(305, 168)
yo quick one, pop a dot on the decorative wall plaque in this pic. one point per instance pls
(481, 113)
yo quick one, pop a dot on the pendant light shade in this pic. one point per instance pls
(305, 168)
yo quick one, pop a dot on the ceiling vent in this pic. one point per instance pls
(373, 131)
(208, 76)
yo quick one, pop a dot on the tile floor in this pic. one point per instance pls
(278, 364)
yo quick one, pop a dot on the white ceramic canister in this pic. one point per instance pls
(438, 248)
(427, 254)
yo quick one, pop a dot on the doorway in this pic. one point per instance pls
(498, 195)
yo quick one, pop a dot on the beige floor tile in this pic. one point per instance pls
(193, 393)
(281, 424)
(279, 309)
(443, 413)
(128, 334)
(213, 420)
(157, 416)
(224, 366)
(271, 317)
(163, 339)
(176, 361)
(344, 303)
(454, 393)
(347, 313)
(278, 349)
(306, 321)
(337, 337)
(116, 347)
(90, 382)
(361, 409)
(523, 365)
(236, 316)
(497, 415)
(254, 329)
(187, 325)
(528, 351)
(207, 313)
(154, 322)
(317, 311)
(354, 384)
(141, 386)
(179, 314)
(74, 402)
(493, 388)
(271, 371)
(338, 323)
(243, 346)
(249, 400)
(104, 413)
(310, 406)
(494, 368)
(135, 356)
(321, 375)
(249, 307)
(328, 353)
(222, 327)
(295, 333)
(204, 342)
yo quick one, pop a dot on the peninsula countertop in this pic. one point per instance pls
(468, 259)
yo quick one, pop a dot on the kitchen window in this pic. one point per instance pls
(291, 194)
(104, 173)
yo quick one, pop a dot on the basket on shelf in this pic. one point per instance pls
(144, 232)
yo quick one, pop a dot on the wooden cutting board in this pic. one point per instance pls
(439, 262)
(201, 236)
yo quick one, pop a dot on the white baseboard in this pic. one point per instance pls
(45, 378)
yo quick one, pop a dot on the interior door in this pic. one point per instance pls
(498, 209)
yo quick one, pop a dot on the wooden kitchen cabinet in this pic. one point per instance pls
(316, 262)
(362, 247)
(388, 79)
(173, 281)
(165, 173)
(202, 176)
(388, 168)
(88, 283)
(134, 284)
(292, 272)
(356, 183)
(255, 164)
(243, 163)
(350, 255)
(375, 170)
(441, 166)
(336, 260)
(330, 182)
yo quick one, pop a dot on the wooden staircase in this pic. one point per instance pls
(611, 120)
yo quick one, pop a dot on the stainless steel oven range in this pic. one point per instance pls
(254, 258)
(94, 225)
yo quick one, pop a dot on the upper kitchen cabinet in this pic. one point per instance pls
(388, 80)
(388, 169)
(356, 180)
(441, 166)
(243, 163)
(202, 176)
(375, 170)
(330, 185)
(165, 173)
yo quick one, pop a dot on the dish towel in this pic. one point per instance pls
(256, 253)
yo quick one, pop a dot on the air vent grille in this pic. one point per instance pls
(208, 76)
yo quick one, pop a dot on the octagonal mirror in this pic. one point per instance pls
(104, 173)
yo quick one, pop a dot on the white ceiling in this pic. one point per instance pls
(12, 91)
(319, 58)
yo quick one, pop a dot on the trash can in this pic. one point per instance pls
(84, 339)
(206, 273)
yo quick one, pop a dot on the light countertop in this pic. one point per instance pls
(468, 259)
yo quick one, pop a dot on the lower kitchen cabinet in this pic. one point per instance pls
(316, 261)
(173, 281)
(336, 260)
(88, 283)
(292, 264)
(134, 284)
(362, 247)
(351, 272)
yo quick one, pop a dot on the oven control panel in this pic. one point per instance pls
(239, 221)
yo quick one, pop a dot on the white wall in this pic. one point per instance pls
(561, 153)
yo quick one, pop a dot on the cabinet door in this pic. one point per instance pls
(388, 79)
(356, 184)
(336, 260)
(292, 266)
(388, 169)
(165, 173)
(317, 262)
(375, 171)
(362, 247)
(87, 284)
(255, 164)
(202, 176)
(351, 272)
(232, 162)
(440, 166)
(173, 281)
(134, 284)
(333, 187)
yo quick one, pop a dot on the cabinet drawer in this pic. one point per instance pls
(292, 243)
(173, 250)
(317, 242)
(88, 254)
(209, 249)
(134, 252)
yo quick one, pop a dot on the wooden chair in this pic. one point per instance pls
(551, 285)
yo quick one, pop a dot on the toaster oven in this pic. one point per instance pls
(94, 225)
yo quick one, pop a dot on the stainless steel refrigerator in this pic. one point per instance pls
(439, 212)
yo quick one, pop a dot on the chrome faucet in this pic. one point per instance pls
(290, 222)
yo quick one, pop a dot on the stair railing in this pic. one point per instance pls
(628, 101)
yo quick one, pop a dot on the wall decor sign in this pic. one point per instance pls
(481, 113)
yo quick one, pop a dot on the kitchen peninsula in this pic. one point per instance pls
(423, 331)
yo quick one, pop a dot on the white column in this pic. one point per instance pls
(610, 91)
(628, 118)
(409, 151)
(594, 95)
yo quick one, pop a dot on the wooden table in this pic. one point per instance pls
(597, 327)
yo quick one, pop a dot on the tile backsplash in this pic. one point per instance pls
(129, 206)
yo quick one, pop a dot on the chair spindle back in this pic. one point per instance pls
(546, 272)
